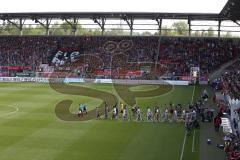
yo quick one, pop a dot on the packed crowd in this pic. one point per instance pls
(25, 51)
(229, 82)
(229, 87)
(175, 55)
(231, 146)
(208, 54)
(231, 141)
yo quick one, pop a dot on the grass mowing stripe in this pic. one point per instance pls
(193, 141)
(47, 143)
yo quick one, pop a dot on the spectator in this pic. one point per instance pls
(217, 123)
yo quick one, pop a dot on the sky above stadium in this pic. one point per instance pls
(197, 6)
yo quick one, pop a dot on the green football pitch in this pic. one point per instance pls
(30, 129)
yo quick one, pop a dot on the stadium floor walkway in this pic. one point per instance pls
(221, 70)
(210, 152)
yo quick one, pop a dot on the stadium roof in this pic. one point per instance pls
(112, 15)
(231, 10)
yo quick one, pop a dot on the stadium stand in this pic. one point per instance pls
(97, 55)
(229, 86)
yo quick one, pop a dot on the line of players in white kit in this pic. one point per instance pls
(152, 115)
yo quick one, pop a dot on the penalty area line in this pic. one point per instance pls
(10, 113)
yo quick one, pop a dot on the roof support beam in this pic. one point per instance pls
(237, 23)
(189, 26)
(17, 24)
(129, 21)
(44, 24)
(159, 22)
(219, 28)
(101, 22)
(73, 23)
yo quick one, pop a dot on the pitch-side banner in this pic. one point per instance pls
(81, 80)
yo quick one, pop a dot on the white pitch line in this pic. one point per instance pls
(183, 146)
(185, 136)
(193, 94)
(193, 141)
(7, 114)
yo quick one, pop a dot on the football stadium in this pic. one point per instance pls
(120, 85)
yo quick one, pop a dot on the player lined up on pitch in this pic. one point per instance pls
(82, 110)
(170, 113)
